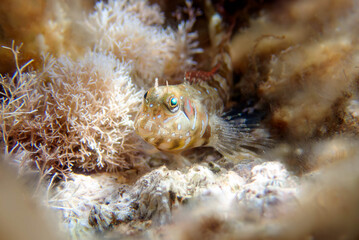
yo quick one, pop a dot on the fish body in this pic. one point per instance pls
(175, 118)
(178, 117)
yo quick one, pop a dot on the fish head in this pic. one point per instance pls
(168, 118)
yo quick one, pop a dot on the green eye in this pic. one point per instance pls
(173, 102)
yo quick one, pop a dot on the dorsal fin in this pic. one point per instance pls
(222, 76)
(199, 76)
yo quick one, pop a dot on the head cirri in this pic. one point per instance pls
(169, 119)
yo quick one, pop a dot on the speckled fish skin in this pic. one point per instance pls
(183, 127)
(179, 117)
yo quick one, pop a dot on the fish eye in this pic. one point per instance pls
(173, 104)
(144, 96)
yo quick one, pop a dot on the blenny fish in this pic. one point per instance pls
(175, 118)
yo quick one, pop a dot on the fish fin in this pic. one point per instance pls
(245, 114)
(238, 138)
(200, 76)
(219, 37)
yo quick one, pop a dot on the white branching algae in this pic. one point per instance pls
(72, 114)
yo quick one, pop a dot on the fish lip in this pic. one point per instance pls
(142, 130)
(136, 123)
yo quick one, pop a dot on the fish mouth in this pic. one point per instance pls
(144, 127)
